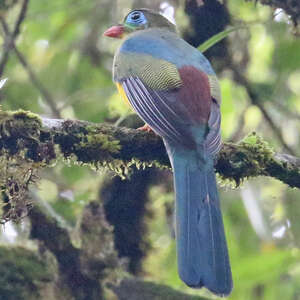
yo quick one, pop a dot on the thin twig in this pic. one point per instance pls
(9, 39)
(254, 98)
(34, 79)
(275, 128)
(285, 110)
(238, 133)
(38, 84)
(20, 19)
(268, 118)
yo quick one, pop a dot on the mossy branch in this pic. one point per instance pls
(41, 142)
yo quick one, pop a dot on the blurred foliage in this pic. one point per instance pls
(63, 44)
(22, 278)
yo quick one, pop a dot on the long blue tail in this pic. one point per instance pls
(201, 245)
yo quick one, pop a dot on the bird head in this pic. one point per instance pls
(139, 19)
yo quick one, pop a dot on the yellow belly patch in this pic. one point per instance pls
(122, 93)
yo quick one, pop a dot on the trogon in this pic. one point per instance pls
(173, 88)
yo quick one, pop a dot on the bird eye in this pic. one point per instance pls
(135, 16)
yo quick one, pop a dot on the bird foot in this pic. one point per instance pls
(146, 128)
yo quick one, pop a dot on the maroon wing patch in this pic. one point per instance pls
(195, 94)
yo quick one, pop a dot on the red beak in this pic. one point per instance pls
(115, 31)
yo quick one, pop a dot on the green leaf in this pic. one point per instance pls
(218, 37)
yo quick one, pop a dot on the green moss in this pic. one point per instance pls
(255, 143)
(21, 155)
(101, 142)
(27, 118)
(26, 115)
(88, 143)
(15, 126)
(95, 147)
(247, 159)
(92, 146)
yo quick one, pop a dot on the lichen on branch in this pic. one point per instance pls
(28, 143)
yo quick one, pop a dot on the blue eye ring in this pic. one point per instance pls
(136, 18)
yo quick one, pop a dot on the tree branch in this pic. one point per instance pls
(116, 148)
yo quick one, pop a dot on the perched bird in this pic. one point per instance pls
(174, 89)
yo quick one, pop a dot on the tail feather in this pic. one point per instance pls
(201, 246)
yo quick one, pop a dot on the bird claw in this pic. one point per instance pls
(146, 128)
